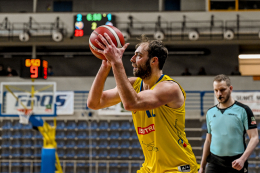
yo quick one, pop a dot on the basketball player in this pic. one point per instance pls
(227, 122)
(157, 103)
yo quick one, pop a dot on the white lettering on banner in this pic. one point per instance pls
(64, 102)
(146, 130)
(251, 99)
(244, 98)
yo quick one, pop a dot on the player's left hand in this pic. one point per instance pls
(110, 51)
(238, 164)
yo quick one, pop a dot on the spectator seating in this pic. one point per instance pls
(114, 125)
(125, 125)
(114, 135)
(103, 125)
(82, 125)
(71, 125)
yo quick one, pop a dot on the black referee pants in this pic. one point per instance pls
(214, 168)
(217, 164)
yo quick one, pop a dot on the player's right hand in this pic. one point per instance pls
(201, 170)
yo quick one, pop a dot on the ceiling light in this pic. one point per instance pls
(249, 56)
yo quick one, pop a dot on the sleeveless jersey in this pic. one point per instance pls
(162, 137)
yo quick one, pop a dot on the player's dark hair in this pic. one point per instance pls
(222, 77)
(155, 49)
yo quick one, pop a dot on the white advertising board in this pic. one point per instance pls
(43, 102)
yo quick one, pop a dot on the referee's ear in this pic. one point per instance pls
(231, 88)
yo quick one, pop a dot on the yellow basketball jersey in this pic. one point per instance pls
(162, 137)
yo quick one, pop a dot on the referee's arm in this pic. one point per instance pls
(252, 131)
(206, 152)
(253, 135)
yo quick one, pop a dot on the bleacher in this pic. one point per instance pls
(77, 140)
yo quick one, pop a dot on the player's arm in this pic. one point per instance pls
(206, 152)
(165, 93)
(109, 97)
(98, 98)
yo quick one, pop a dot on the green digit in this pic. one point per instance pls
(95, 17)
(89, 17)
(99, 16)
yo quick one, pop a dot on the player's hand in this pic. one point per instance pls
(201, 170)
(106, 64)
(110, 51)
(238, 164)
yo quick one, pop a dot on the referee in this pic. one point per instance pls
(227, 122)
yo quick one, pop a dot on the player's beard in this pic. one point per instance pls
(144, 71)
(225, 99)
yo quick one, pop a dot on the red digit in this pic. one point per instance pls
(78, 33)
(45, 72)
(34, 71)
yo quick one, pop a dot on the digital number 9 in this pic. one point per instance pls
(34, 71)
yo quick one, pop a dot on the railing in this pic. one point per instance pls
(197, 102)
(193, 30)
(171, 30)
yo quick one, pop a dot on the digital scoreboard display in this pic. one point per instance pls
(34, 68)
(84, 25)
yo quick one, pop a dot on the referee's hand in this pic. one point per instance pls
(201, 170)
(238, 164)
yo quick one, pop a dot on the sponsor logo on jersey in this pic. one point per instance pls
(245, 170)
(214, 115)
(232, 114)
(184, 168)
(181, 143)
(253, 122)
(146, 130)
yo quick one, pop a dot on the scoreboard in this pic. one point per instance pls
(34, 68)
(85, 24)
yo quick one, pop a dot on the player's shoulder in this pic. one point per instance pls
(168, 80)
(168, 85)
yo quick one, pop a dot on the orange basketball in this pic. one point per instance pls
(114, 33)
